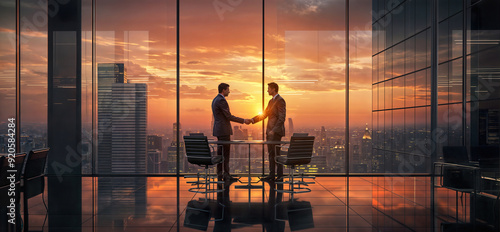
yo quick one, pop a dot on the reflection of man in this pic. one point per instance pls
(222, 128)
(276, 112)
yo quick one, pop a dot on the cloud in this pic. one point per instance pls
(195, 62)
(197, 110)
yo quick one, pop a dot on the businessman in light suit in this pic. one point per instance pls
(276, 112)
(222, 128)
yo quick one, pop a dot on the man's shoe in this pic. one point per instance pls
(279, 178)
(228, 177)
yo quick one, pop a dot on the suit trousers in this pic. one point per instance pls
(271, 148)
(226, 150)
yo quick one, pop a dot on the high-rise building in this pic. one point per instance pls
(290, 127)
(155, 142)
(129, 123)
(154, 161)
(366, 148)
(122, 121)
(174, 133)
(107, 74)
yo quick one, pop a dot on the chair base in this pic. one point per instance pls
(203, 183)
(295, 186)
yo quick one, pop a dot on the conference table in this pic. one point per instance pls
(249, 143)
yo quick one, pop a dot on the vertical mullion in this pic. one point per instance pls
(177, 109)
(347, 87)
(434, 104)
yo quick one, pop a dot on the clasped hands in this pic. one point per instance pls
(248, 121)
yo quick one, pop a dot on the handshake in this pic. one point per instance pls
(251, 120)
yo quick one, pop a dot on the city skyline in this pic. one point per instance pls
(305, 71)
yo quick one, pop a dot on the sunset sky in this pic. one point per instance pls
(219, 42)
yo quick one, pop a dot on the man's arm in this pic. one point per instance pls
(224, 107)
(262, 116)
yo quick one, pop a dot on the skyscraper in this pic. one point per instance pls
(107, 74)
(129, 123)
(122, 117)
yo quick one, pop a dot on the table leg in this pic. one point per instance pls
(249, 184)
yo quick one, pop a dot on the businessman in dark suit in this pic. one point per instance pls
(222, 128)
(276, 112)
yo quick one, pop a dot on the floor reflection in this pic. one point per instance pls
(270, 212)
(153, 204)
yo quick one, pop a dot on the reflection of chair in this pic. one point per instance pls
(298, 213)
(6, 191)
(33, 178)
(458, 173)
(199, 213)
(299, 153)
(200, 153)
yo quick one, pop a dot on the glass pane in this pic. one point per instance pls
(360, 71)
(87, 91)
(135, 82)
(305, 56)
(7, 70)
(443, 83)
(456, 81)
(388, 131)
(230, 52)
(410, 52)
(455, 127)
(389, 73)
(410, 90)
(33, 79)
(409, 131)
(421, 50)
(388, 89)
(456, 35)
(410, 7)
(398, 92)
(398, 59)
(398, 19)
(398, 124)
(420, 88)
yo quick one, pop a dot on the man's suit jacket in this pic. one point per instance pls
(222, 117)
(276, 112)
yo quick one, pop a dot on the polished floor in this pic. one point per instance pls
(334, 204)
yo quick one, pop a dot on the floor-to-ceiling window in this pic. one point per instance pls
(221, 42)
(7, 71)
(305, 54)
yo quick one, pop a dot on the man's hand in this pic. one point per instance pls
(271, 132)
(248, 121)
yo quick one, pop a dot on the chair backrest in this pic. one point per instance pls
(300, 134)
(196, 134)
(4, 167)
(197, 147)
(301, 147)
(35, 163)
(455, 154)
